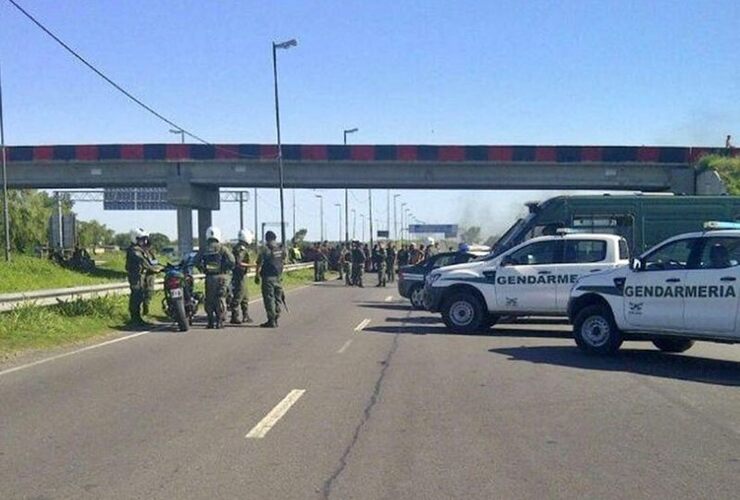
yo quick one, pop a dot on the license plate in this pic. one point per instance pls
(176, 293)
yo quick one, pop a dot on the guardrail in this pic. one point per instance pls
(52, 296)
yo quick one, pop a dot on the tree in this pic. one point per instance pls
(471, 234)
(93, 234)
(29, 211)
(159, 241)
(122, 240)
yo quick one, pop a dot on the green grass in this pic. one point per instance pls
(33, 327)
(26, 273)
(727, 168)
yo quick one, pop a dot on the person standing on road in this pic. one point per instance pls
(380, 263)
(345, 261)
(390, 263)
(137, 267)
(323, 260)
(269, 275)
(239, 294)
(150, 276)
(216, 261)
(358, 264)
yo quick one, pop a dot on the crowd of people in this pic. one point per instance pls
(353, 260)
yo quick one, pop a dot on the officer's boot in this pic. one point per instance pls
(210, 321)
(245, 316)
(235, 317)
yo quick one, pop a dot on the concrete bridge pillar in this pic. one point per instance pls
(205, 220)
(184, 230)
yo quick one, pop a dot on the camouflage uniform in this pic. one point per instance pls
(345, 263)
(137, 267)
(239, 294)
(149, 281)
(216, 261)
(358, 265)
(270, 264)
(390, 265)
(380, 263)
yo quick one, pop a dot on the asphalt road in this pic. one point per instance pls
(397, 410)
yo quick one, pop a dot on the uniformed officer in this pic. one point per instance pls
(323, 260)
(149, 276)
(137, 267)
(239, 294)
(216, 261)
(345, 262)
(358, 264)
(269, 274)
(390, 263)
(380, 262)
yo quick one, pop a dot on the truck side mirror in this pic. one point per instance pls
(636, 265)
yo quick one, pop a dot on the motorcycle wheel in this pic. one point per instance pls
(180, 316)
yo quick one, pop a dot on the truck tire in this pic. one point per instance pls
(491, 320)
(417, 297)
(463, 313)
(673, 344)
(595, 331)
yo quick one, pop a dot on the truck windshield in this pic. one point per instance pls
(511, 236)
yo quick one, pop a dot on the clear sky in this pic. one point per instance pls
(428, 72)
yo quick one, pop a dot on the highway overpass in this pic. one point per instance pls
(192, 173)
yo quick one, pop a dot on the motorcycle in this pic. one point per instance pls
(181, 301)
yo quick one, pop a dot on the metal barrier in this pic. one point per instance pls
(52, 296)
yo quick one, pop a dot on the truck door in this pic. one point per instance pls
(651, 302)
(713, 286)
(525, 281)
(581, 257)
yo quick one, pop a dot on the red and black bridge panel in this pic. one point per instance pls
(359, 153)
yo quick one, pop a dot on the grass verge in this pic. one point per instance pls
(31, 327)
(25, 273)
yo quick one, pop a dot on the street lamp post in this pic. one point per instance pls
(395, 222)
(362, 223)
(177, 131)
(321, 214)
(6, 216)
(346, 192)
(354, 223)
(339, 234)
(370, 217)
(283, 45)
(403, 211)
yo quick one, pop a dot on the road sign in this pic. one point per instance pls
(449, 230)
(383, 234)
(69, 223)
(136, 199)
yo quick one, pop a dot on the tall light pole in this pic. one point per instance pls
(295, 229)
(354, 223)
(321, 214)
(362, 222)
(283, 45)
(388, 212)
(346, 191)
(403, 211)
(257, 235)
(339, 234)
(395, 221)
(6, 216)
(177, 131)
(370, 218)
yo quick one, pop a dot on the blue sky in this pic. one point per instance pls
(455, 72)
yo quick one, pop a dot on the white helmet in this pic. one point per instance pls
(430, 240)
(245, 236)
(213, 233)
(137, 234)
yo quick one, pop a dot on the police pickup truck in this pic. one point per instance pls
(532, 278)
(683, 289)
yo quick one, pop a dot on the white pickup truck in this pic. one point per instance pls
(533, 278)
(684, 289)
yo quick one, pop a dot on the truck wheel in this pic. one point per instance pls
(595, 330)
(491, 320)
(673, 344)
(463, 313)
(417, 297)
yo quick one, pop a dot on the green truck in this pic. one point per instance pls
(642, 219)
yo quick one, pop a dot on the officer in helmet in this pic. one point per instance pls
(269, 275)
(216, 261)
(239, 295)
(138, 268)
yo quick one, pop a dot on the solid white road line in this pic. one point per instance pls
(344, 347)
(261, 429)
(59, 356)
(389, 298)
(362, 324)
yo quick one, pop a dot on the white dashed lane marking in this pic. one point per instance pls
(261, 429)
(362, 324)
(344, 347)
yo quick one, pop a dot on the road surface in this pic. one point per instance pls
(358, 397)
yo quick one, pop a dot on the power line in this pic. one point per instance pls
(118, 87)
(103, 75)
